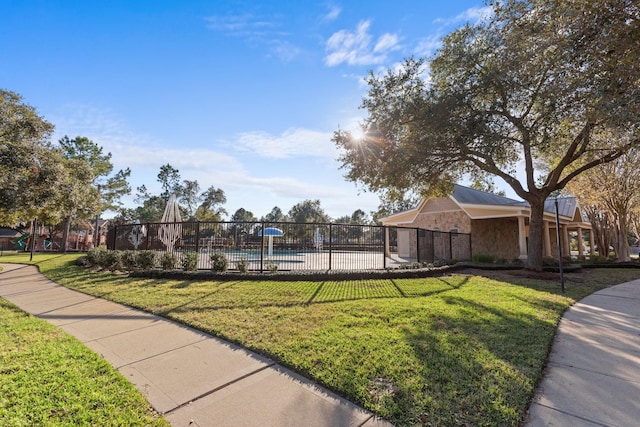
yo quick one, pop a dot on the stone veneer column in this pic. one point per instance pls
(522, 238)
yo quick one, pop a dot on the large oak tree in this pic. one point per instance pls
(29, 169)
(523, 95)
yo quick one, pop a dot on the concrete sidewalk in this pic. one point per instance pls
(593, 373)
(192, 378)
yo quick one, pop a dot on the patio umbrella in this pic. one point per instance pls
(271, 232)
(137, 235)
(171, 228)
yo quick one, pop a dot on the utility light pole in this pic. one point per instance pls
(559, 247)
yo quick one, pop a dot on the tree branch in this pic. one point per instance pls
(605, 159)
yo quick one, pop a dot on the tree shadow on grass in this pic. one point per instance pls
(271, 295)
(480, 364)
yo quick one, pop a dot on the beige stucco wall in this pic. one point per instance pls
(495, 236)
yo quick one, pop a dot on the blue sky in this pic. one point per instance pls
(241, 95)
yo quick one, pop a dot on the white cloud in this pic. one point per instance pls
(472, 15)
(332, 15)
(428, 45)
(292, 142)
(258, 31)
(240, 25)
(356, 47)
(130, 149)
(386, 42)
(284, 50)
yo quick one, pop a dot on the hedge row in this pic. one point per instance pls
(130, 260)
(149, 260)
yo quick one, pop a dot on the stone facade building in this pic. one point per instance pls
(499, 226)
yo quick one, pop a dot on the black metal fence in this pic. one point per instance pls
(264, 246)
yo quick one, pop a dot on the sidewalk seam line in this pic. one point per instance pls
(365, 421)
(573, 415)
(158, 354)
(220, 387)
(630, 380)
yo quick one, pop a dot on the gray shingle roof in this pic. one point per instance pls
(470, 196)
(466, 195)
(566, 206)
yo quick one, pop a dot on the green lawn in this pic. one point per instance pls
(455, 350)
(49, 378)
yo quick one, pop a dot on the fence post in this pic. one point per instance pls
(450, 246)
(198, 240)
(418, 244)
(262, 248)
(330, 242)
(115, 237)
(146, 238)
(385, 232)
(433, 245)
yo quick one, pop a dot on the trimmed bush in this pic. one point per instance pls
(113, 261)
(168, 261)
(129, 260)
(219, 262)
(242, 265)
(483, 258)
(190, 261)
(96, 256)
(147, 259)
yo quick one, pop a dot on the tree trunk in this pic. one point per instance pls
(598, 230)
(622, 247)
(65, 234)
(536, 228)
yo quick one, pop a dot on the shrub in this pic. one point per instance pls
(129, 260)
(444, 262)
(218, 262)
(96, 256)
(168, 261)
(411, 266)
(483, 258)
(242, 265)
(190, 261)
(147, 259)
(272, 266)
(113, 261)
